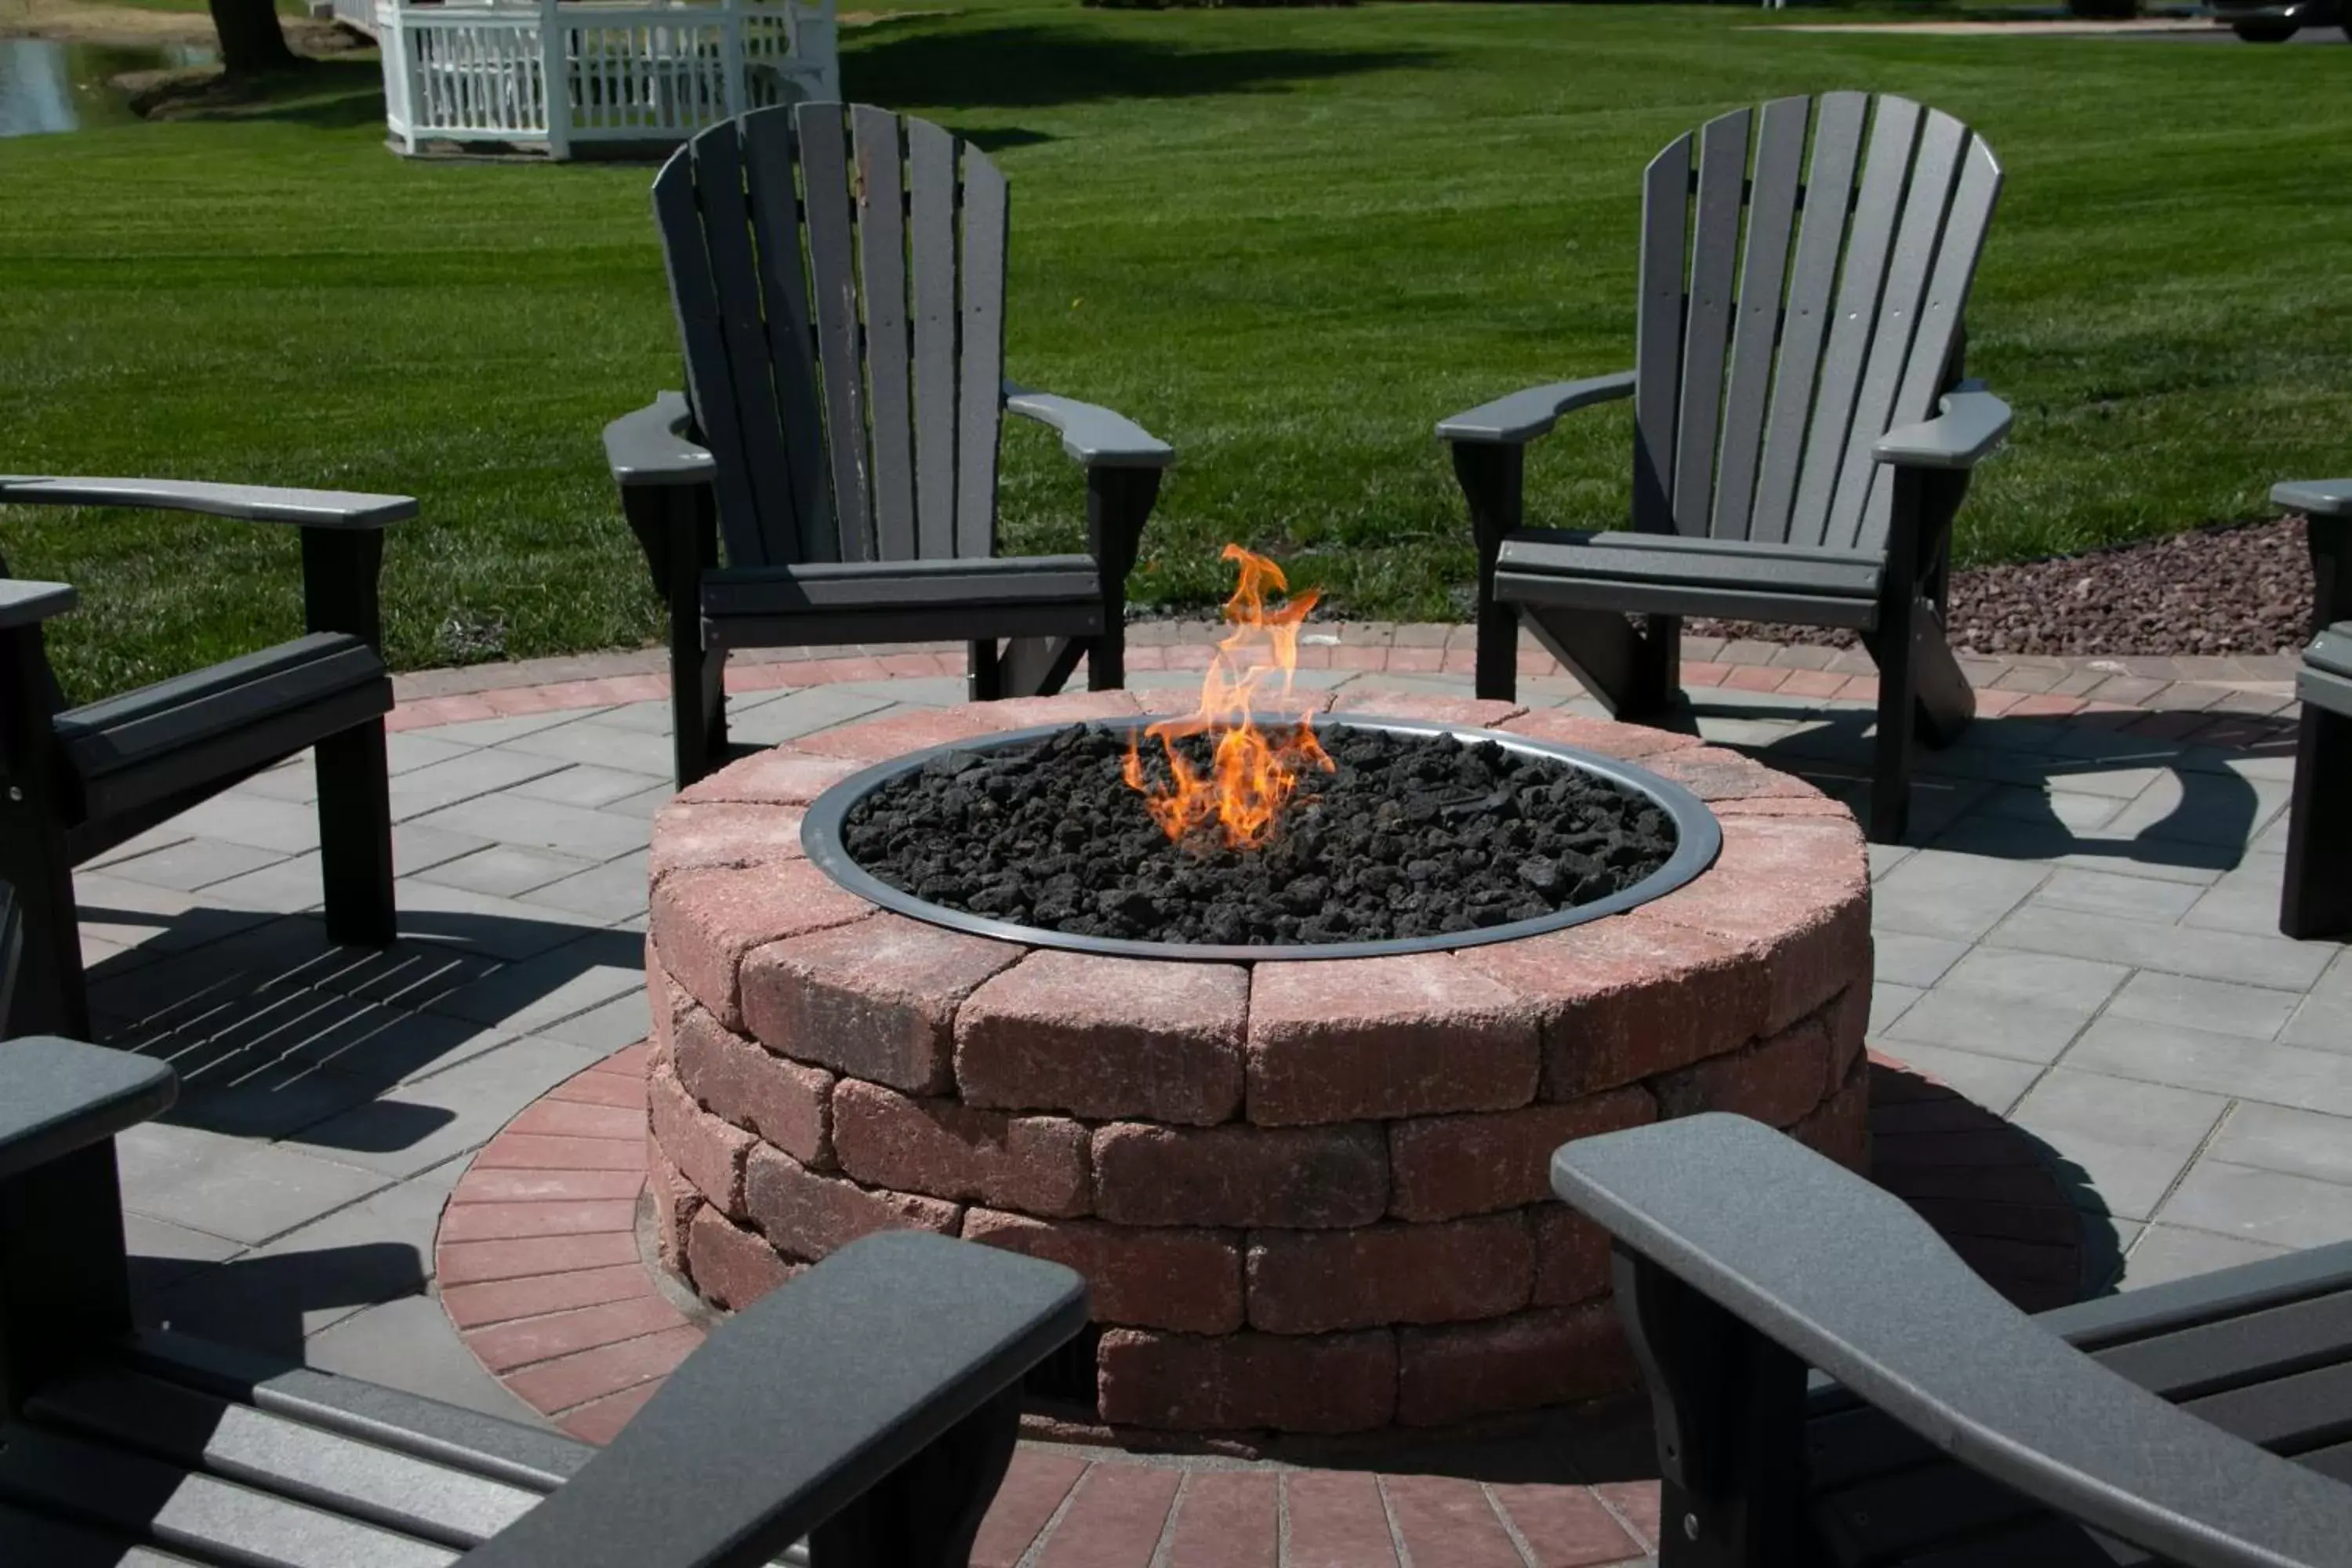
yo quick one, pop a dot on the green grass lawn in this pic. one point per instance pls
(1286, 240)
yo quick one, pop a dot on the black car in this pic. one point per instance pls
(2276, 21)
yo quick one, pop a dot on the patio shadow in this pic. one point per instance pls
(265, 1302)
(276, 1031)
(1991, 794)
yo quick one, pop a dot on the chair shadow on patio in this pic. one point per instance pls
(278, 1033)
(272, 1302)
(2035, 789)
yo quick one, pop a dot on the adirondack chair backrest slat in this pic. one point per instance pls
(838, 275)
(825, 167)
(1805, 322)
(983, 354)
(1869, 239)
(1658, 336)
(882, 268)
(708, 379)
(930, 159)
(1942, 140)
(1757, 400)
(735, 273)
(1706, 324)
(1771, 212)
(783, 292)
(1941, 327)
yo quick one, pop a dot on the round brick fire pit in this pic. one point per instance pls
(1308, 1195)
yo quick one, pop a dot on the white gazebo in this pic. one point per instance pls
(574, 75)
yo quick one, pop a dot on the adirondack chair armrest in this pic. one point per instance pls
(1972, 424)
(801, 1404)
(58, 1096)
(247, 503)
(24, 603)
(2315, 498)
(1850, 1281)
(1092, 435)
(649, 445)
(1524, 416)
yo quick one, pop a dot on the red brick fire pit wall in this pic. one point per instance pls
(1307, 1197)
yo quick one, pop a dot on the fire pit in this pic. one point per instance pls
(1433, 836)
(1301, 1163)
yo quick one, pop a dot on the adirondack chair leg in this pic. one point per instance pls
(2329, 539)
(355, 835)
(929, 1512)
(984, 671)
(1635, 674)
(2317, 898)
(1118, 504)
(64, 1281)
(51, 998)
(1494, 480)
(1947, 702)
(340, 571)
(1038, 667)
(1729, 1406)
(1106, 655)
(1891, 645)
(678, 531)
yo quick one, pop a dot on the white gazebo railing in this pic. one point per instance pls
(569, 72)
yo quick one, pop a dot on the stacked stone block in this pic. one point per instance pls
(1307, 1196)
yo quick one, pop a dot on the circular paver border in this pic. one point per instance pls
(582, 1339)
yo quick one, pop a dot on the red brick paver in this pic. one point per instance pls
(590, 1343)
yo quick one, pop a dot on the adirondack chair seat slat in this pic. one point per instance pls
(532, 1457)
(170, 1421)
(1956, 1427)
(135, 1498)
(902, 584)
(55, 1544)
(1635, 596)
(838, 275)
(1694, 576)
(1797, 392)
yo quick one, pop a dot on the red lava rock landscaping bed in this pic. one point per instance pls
(2236, 590)
(1309, 1196)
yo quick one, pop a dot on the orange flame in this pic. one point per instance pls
(1250, 777)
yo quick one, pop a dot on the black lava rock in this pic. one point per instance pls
(1411, 836)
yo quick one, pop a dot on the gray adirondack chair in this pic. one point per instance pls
(2202, 1421)
(2315, 900)
(80, 781)
(871, 1405)
(839, 280)
(1801, 436)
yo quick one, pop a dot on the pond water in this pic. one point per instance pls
(46, 86)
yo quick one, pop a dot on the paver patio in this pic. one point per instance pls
(2079, 936)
